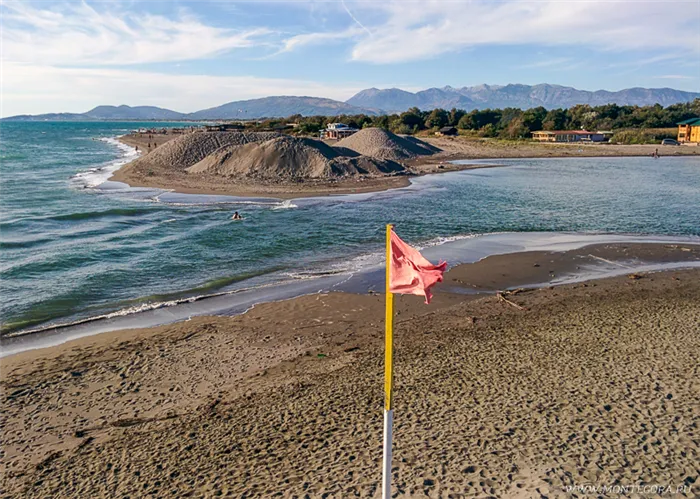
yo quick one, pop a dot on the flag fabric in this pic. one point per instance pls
(411, 273)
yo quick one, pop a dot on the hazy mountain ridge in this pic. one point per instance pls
(280, 106)
(266, 107)
(375, 101)
(132, 113)
(514, 95)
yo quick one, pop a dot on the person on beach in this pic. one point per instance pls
(236, 216)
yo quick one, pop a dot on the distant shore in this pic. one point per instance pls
(495, 390)
(454, 148)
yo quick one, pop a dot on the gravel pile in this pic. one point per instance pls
(285, 158)
(183, 152)
(380, 143)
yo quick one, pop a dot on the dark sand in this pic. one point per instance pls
(589, 384)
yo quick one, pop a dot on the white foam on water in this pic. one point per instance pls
(96, 176)
(285, 205)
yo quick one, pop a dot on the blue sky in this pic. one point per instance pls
(73, 55)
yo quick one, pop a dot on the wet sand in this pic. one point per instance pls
(592, 383)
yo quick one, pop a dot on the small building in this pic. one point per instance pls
(569, 136)
(689, 130)
(446, 130)
(224, 127)
(337, 131)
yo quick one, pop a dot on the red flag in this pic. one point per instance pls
(411, 274)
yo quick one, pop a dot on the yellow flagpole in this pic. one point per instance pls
(389, 328)
(388, 372)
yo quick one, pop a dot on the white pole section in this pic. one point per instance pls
(386, 474)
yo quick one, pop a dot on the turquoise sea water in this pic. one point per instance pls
(70, 250)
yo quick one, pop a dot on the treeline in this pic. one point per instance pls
(508, 123)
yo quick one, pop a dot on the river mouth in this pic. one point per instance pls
(93, 256)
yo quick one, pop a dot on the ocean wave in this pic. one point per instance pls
(114, 212)
(275, 205)
(144, 304)
(285, 205)
(23, 244)
(96, 176)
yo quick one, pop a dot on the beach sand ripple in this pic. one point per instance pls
(592, 384)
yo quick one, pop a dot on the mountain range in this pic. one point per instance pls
(514, 95)
(375, 101)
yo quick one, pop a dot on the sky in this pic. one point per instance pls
(69, 56)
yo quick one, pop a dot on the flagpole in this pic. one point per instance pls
(388, 372)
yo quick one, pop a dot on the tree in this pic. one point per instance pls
(488, 130)
(412, 118)
(533, 118)
(555, 120)
(515, 129)
(455, 116)
(437, 118)
(478, 119)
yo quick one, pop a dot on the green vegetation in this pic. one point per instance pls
(632, 124)
(643, 135)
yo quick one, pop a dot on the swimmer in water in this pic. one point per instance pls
(236, 216)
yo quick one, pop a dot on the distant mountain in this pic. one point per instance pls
(267, 107)
(105, 113)
(520, 96)
(47, 117)
(397, 100)
(375, 101)
(280, 106)
(132, 113)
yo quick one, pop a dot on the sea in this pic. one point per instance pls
(77, 249)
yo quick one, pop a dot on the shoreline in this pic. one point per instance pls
(453, 149)
(493, 393)
(572, 262)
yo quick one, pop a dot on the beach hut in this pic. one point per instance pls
(689, 130)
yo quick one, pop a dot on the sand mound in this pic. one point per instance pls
(289, 158)
(380, 143)
(185, 151)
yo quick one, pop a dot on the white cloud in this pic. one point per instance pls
(675, 77)
(547, 63)
(421, 30)
(298, 41)
(78, 34)
(32, 89)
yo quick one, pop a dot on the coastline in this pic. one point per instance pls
(454, 149)
(497, 378)
(480, 265)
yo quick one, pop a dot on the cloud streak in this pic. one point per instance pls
(410, 31)
(78, 34)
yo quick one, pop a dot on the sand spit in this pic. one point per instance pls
(380, 143)
(286, 158)
(592, 384)
(256, 164)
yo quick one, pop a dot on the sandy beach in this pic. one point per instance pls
(453, 148)
(587, 384)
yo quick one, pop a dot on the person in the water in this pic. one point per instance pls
(236, 216)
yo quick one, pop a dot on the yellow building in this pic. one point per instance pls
(689, 130)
